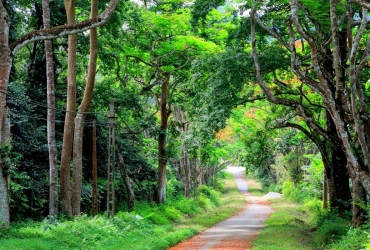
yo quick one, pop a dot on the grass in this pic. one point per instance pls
(254, 187)
(231, 202)
(162, 226)
(287, 228)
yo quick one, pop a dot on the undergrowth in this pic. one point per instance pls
(327, 229)
(149, 227)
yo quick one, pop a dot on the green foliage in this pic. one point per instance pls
(211, 194)
(293, 192)
(124, 229)
(352, 238)
(187, 206)
(314, 207)
(331, 229)
(201, 9)
(174, 187)
(355, 238)
(204, 202)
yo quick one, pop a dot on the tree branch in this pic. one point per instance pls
(64, 30)
(362, 3)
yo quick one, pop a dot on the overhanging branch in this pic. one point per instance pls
(64, 30)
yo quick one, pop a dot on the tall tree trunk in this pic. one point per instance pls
(162, 160)
(187, 175)
(325, 192)
(127, 181)
(81, 115)
(4, 176)
(5, 66)
(180, 117)
(341, 195)
(196, 175)
(65, 175)
(336, 172)
(53, 171)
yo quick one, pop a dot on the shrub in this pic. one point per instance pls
(294, 192)
(330, 230)
(204, 202)
(187, 206)
(159, 219)
(172, 213)
(314, 208)
(211, 194)
(274, 188)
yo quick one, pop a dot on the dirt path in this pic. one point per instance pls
(238, 231)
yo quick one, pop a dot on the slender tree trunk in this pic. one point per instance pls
(4, 176)
(325, 191)
(65, 175)
(127, 181)
(179, 116)
(81, 114)
(53, 171)
(162, 160)
(187, 186)
(196, 177)
(5, 66)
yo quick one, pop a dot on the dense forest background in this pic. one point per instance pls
(279, 87)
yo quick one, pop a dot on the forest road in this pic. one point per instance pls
(238, 231)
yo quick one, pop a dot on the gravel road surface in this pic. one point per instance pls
(238, 231)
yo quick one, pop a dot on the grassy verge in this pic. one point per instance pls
(287, 228)
(157, 227)
(254, 187)
(231, 202)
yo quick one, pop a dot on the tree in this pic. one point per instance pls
(53, 171)
(323, 70)
(7, 52)
(81, 115)
(65, 186)
(182, 127)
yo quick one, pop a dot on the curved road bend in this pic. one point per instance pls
(238, 231)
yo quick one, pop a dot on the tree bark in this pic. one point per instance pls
(81, 115)
(65, 175)
(5, 66)
(162, 158)
(53, 171)
(196, 175)
(4, 176)
(179, 116)
(187, 186)
(127, 181)
(339, 191)
(336, 171)
(324, 191)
